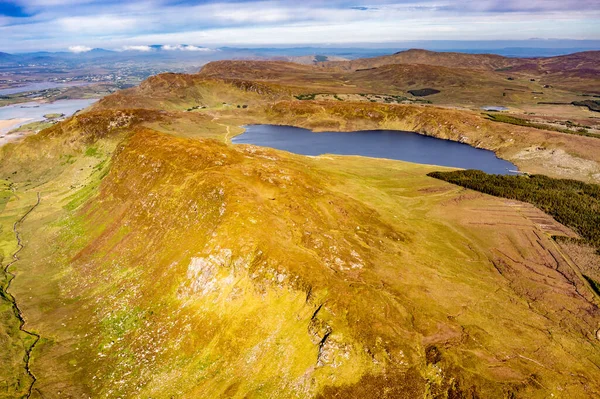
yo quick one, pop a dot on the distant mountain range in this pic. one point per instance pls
(190, 52)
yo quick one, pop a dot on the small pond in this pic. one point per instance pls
(496, 108)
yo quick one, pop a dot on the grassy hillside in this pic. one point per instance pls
(163, 261)
(470, 87)
(189, 267)
(575, 72)
(193, 102)
(573, 203)
(425, 57)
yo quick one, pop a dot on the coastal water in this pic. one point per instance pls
(390, 144)
(37, 86)
(34, 111)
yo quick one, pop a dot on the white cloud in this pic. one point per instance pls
(57, 24)
(79, 49)
(99, 24)
(246, 13)
(194, 48)
(180, 47)
(376, 31)
(137, 48)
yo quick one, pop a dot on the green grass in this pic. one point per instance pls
(33, 126)
(382, 249)
(6, 193)
(53, 116)
(77, 199)
(67, 159)
(93, 151)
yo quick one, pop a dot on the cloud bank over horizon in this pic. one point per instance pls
(80, 25)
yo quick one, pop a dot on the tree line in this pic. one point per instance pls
(573, 203)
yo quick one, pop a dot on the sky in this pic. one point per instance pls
(80, 25)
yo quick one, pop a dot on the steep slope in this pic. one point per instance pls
(561, 156)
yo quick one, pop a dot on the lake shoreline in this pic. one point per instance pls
(381, 143)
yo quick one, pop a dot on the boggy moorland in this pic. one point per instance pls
(163, 261)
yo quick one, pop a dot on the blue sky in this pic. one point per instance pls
(27, 25)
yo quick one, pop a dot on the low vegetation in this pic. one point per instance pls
(573, 203)
(593, 283)
(593, 105)
(513, 120)
(54, 116)
(33, 127)
(309, 96)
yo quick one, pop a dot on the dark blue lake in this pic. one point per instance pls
(390, 144)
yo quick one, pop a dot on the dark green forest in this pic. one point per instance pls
(572, 203)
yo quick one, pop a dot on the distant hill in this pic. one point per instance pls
(309, 59)
(100, 51)
(452, 60)
(488, 62)
(460, 78)
(578, 71)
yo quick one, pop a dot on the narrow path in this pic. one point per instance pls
(17, 311)
(215, 118)
(228, 132)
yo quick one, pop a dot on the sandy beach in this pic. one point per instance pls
(6, 125)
